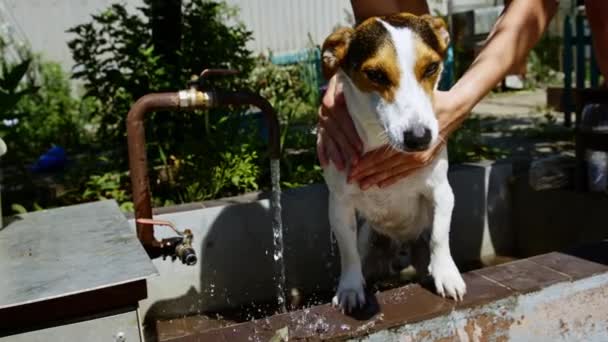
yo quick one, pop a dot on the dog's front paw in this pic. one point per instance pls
(448, 280)
(351, 293)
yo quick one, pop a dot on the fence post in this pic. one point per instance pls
(567, 67)
(595, 71)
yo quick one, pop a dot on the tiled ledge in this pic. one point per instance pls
(494, 307)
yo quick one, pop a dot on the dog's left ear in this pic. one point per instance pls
(334, 49)
(440, 28)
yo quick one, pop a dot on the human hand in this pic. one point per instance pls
(385, 166)
(337, 138)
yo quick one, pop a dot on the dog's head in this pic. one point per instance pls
(394, 63)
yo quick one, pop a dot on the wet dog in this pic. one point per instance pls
(389, 68)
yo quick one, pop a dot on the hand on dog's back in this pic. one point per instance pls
(337, 138)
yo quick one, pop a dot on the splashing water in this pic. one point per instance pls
(277, 232)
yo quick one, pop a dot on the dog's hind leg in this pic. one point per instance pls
(446, 276)
(350, 292)
(420, 254)
(380, 255)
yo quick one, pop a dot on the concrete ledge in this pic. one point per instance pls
(553, 297)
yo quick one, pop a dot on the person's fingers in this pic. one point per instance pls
(375, 161)
(333, 153)
(321, 153)
(391, 175)
(375, 178)
(348, 128)
(345, 120)
(338, 125)
(328, 100)
(396, 177)
(398, 165)
(338, 134)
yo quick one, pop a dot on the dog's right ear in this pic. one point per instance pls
(334, 50)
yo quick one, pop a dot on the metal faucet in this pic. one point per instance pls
(175, 247)
(198, 96)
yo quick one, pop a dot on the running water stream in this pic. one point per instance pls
(277, 232)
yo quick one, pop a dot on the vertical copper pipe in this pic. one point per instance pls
(136, 135)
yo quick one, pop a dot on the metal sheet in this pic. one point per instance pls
(123, 327)
(69, 250)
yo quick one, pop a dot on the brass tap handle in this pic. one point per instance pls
(200, 82)
(160, 223)
(218, 72)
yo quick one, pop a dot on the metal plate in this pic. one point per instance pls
(69, 250)
(123, 327)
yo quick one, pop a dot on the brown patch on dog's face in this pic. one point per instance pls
(378, 73)
(427, 67)
(432, 31)
(368, 54)
(371, 60)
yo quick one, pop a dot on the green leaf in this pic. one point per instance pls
(18, 208)
(10, 81)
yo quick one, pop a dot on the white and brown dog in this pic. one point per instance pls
(388, 68)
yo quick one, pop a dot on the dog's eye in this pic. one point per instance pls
(431, 69)
(377, 76)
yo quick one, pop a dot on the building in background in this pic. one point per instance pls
(280, 26)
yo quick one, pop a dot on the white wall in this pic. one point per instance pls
(279, 25)
(284, 25)
(43, 23)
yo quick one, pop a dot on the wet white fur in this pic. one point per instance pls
(423, 200)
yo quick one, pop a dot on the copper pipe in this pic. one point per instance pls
(186, 99)
(136, 138)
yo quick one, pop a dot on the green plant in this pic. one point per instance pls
(235, 171)
(466, 145)
(109, 185)
(51, 115)
(117, 61)
(10, 91)
(290, 90)
(287, 90)
(543, 63)
(120, 57)
(12, 76)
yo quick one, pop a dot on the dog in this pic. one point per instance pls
(388, 68)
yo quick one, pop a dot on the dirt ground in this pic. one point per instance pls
(521, 124)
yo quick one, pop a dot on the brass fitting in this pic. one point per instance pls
(193, 98)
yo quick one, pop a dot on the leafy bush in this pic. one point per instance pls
(116, 59)
(543, 63)
(119, 60)
(466, 145)
(50, 116)
(109, 185)
(296, 100)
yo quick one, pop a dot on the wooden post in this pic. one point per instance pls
(567, 66)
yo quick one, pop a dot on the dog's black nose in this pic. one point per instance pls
(417, 139)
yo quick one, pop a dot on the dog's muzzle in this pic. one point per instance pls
(417, 139)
